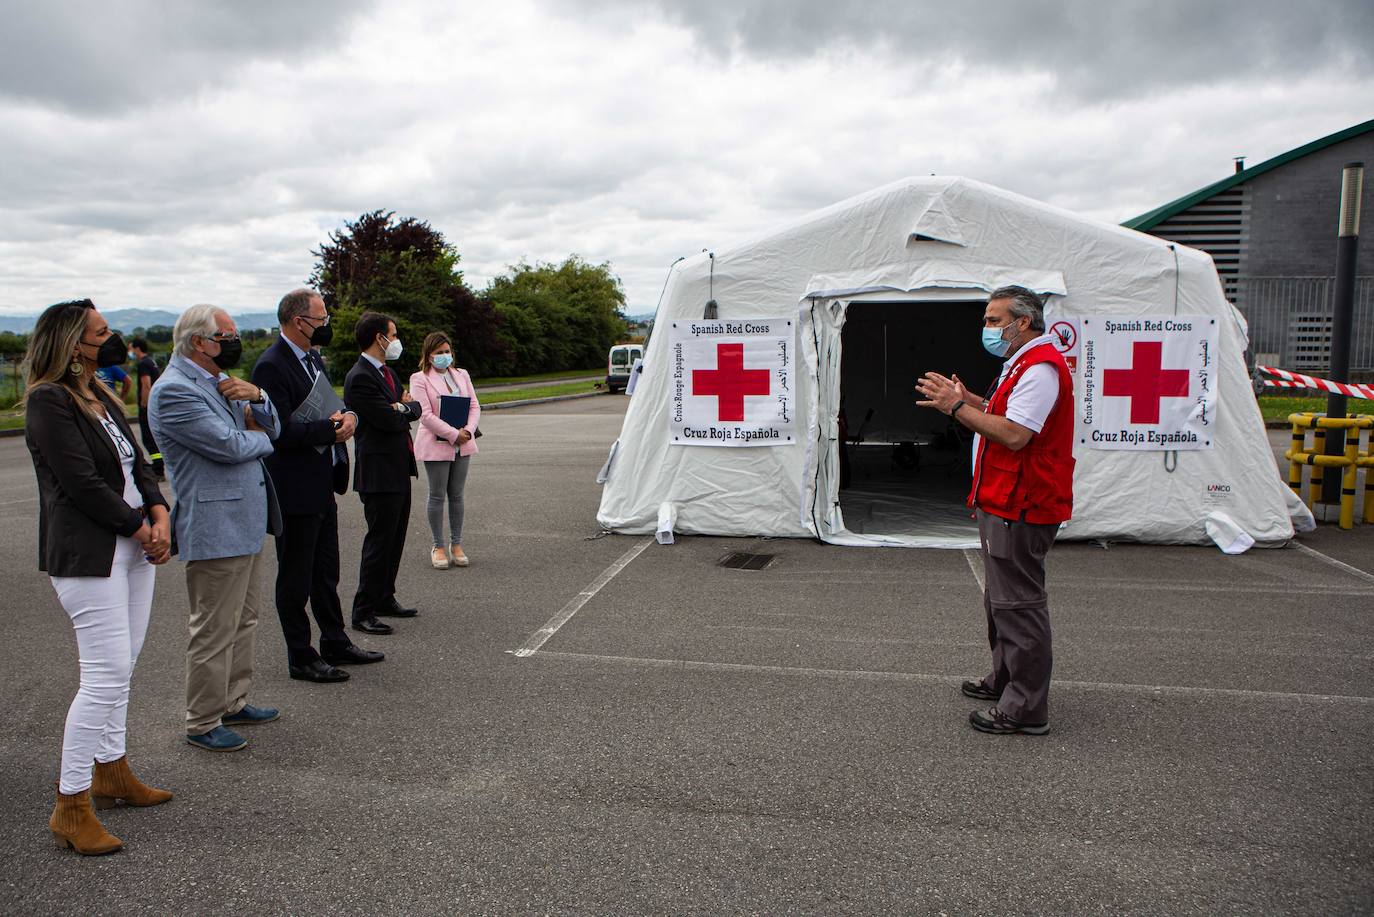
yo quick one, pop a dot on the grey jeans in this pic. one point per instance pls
(446, 480)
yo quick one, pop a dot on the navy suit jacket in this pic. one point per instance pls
(306, 479)
(386, 461)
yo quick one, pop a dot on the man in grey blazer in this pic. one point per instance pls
(214, 431)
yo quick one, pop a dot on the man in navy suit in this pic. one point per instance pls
(309, 466)
(386, 465)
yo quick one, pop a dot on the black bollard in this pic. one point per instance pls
(1343, 315)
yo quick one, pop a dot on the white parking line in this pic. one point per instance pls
(1338, 564)
(975, 563)
(542, 635)
(912, 677)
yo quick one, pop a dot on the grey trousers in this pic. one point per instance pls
(446, 482)
(1018, 615)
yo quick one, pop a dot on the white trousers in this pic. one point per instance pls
(110, 615)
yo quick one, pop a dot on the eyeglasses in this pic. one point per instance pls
(315, 318)
(122, 444)
(223, 337)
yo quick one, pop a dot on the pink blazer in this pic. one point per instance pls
(435, 441)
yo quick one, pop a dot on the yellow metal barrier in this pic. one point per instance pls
(1357, 455)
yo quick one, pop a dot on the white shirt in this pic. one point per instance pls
(126, 451)
(1034, 394)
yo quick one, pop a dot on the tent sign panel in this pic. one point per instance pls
(1149, 382)
(733, 382)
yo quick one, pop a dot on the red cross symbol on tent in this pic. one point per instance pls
(1146, 383)
(730, 381)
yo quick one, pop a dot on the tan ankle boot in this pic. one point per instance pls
(114, 781)
(74, 825)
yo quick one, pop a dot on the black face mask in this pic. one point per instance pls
(320, 335)
(112, 352)
(230, 352)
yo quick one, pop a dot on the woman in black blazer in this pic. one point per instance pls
(102, 525)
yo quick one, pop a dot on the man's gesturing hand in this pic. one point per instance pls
(942, 393)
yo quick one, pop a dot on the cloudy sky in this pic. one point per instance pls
(157, 154)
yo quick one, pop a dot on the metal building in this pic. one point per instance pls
(1271, 229)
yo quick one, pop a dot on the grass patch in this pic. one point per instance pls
(538, 391)
(1278, 407)
(541, 377)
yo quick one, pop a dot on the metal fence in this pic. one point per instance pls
(1290, 322)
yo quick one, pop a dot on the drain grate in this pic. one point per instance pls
(742, 560)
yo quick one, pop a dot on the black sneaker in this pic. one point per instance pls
(998, 723)
(977, 690)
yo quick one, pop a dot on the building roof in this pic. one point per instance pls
(1147, 221)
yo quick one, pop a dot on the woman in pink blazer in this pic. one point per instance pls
(445, 450)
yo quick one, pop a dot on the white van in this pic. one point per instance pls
(619, 363)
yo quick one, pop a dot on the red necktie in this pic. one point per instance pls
(396, 393)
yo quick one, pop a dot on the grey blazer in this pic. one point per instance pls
(225, 503)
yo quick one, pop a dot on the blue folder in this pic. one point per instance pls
(453, 409)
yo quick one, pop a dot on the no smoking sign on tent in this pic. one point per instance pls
(732, 383)
(1149, 382)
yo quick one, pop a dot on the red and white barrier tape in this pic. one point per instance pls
(1298, 380)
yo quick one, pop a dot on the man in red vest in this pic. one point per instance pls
(1022, 490)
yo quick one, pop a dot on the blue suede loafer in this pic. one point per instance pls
(251, 716)
(218, 739)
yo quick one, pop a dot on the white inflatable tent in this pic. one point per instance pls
(887, 285)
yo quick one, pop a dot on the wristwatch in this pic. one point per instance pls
(955, 410)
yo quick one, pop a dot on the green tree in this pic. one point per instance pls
(558, 316)
(406, 269)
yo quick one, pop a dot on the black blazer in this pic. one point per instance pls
(385, 459)
(306, 480)
(81, 504)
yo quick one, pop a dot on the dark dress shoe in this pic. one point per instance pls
(372, 626)
(352, 655)
(396, 611)
(317, 670)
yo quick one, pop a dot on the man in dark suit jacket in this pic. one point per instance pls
(385, 465)
(309, 458)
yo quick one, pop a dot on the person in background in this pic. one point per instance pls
(385, 464)
(102, 525)
(146, 368)
(1022, 491)
(116, 378)
(217, 430)
(445, 450)
(309, 466)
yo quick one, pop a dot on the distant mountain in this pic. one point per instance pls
(126, 320)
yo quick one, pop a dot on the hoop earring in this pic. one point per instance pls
(76, 369)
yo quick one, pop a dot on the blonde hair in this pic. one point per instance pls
(49, 358)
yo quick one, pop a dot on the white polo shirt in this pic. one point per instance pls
(1035, 394)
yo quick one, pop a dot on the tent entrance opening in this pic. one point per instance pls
(906, 470)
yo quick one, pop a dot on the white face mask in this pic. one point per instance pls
(393, 350)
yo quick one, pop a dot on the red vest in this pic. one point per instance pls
(1036, 483)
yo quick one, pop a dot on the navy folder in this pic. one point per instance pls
(453, 409)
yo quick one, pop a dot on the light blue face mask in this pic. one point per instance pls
(994, 343)
(442, 361)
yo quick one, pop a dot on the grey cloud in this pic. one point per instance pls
(1096, 49)
(95, 55)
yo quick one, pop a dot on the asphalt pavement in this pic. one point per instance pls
(694, 739)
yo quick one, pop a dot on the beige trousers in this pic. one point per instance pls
(225, 600)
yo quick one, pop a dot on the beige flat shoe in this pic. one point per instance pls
(459, 558)
(439, 558)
